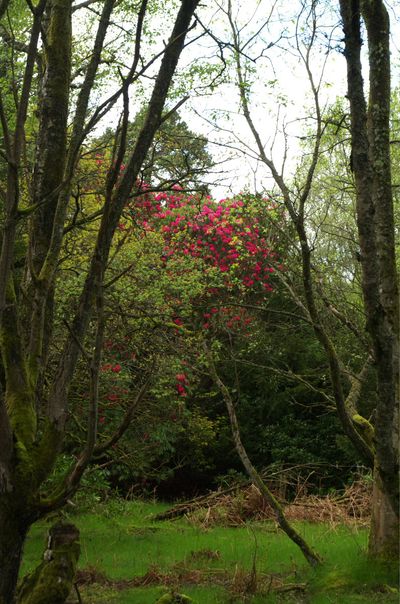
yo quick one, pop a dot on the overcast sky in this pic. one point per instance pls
(280, 98)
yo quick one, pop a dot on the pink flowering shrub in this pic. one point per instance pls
(224, 249)
(224, 235)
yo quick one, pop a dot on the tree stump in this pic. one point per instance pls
(52, 580)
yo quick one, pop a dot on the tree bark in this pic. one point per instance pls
(384, 532)
(13, 531)
(375, 221)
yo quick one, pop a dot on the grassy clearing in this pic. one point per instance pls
(129, 559)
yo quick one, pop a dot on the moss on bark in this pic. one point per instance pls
(365, 429)
(52, 580)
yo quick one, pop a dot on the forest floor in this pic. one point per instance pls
(127, 557)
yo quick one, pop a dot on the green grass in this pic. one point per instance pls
(121, 541)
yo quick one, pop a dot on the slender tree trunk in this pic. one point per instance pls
(310, 555)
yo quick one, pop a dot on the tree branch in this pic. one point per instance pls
(312, 557)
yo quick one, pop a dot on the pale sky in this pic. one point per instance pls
(280, 98)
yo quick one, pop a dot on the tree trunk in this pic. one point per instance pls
(13, 532)
(310, 555)
(384, 530)
(370, 136)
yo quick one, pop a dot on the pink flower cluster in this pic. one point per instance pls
(222, 235)
(181, 384)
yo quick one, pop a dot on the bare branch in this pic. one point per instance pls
(126, 421)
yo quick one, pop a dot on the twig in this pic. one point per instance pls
(78, 595)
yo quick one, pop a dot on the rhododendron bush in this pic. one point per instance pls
(184, 266)
(229, 243)
(205, 261)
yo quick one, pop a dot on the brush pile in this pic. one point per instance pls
(234, 507)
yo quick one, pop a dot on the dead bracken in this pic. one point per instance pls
(235, 506)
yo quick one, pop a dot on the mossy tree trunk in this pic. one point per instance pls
(32, 418)
(372, 171)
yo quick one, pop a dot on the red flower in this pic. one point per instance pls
(117, 368)
(181, 390)
(181, 377)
